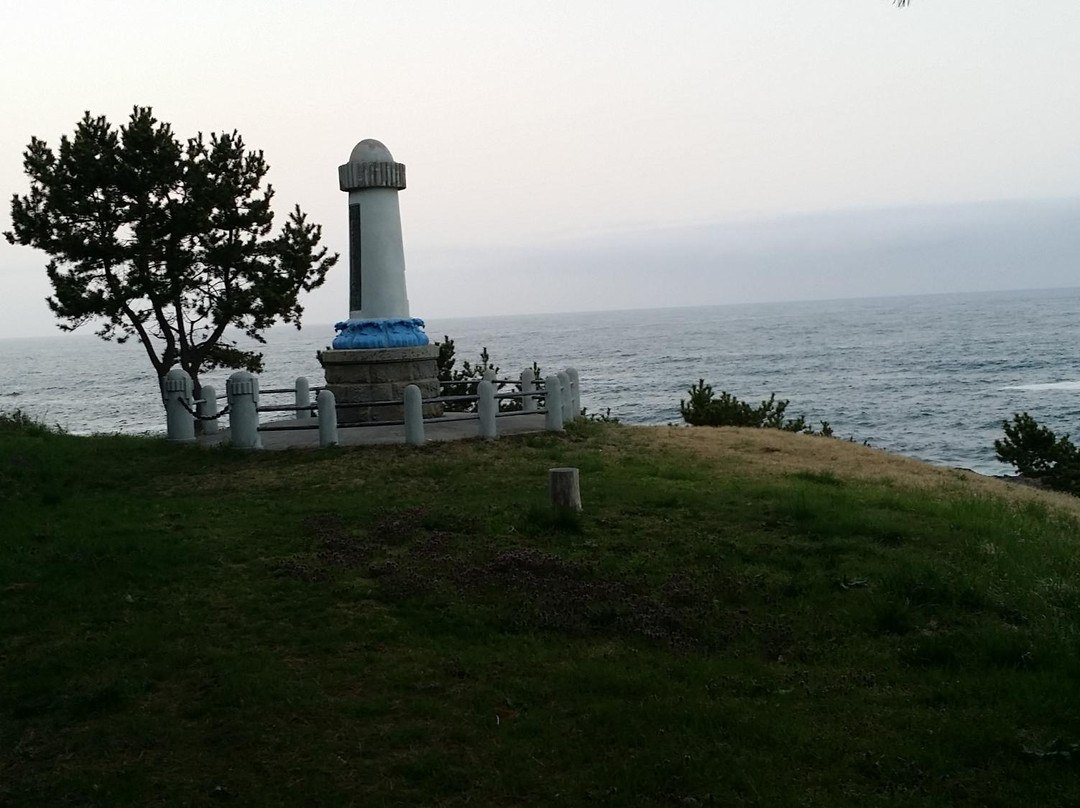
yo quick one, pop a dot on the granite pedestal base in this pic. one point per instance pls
(362, 377)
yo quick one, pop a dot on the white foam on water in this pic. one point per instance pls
(1074, 385)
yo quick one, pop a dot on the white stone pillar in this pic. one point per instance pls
(176, 388)
(575, 392)
(528, 385)
(564, 397)
(303, 398)
(553, 405)
(376, 252)
(328, 433)
(486, 406)
(378, 303)
(414, 416)
(242, 392)
(208, 410)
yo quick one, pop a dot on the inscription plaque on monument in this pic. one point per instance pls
(355, 260)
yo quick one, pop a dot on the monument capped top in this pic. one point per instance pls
(370, 151)
(371, 166)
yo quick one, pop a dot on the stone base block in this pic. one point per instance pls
(364, 377)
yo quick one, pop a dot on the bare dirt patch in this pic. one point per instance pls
(523, 588)
(549, 592)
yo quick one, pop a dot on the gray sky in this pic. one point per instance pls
(590, 155)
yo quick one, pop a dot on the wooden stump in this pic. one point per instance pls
(563, 488)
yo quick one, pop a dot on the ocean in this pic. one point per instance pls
(930, 377)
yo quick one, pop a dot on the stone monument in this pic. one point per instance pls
(380, 350)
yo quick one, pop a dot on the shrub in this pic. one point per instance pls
(704, 408)
(18, 422)
(469, 372)
(1038, 454)
(604, 417)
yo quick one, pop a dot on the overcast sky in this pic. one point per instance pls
(591, 155)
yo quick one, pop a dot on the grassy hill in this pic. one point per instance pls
(738, 617)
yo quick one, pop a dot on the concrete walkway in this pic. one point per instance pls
(285, 435)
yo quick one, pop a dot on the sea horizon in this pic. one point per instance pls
(87, 330)
(928, 376)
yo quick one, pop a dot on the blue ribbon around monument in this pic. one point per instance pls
(394, 333)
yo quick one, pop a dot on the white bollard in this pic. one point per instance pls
(486, 406)
(575, 392)
(327, 419)
(242, 393)
(176, 389)
(414, 416)
(553, 418)
(208, 410)
(564, 399)
(528, 385)
(303, 398)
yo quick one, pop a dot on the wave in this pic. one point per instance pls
(1073, 385)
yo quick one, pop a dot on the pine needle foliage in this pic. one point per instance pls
(165, 241)
(464, 381)
(1039, 454)
(705, 408)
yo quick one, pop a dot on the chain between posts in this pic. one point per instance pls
(198, 417)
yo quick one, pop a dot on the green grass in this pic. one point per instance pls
(384, 626)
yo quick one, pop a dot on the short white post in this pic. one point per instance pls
(575, 392)
(564, 399)
(208, 410)
(303, 399)
(179, 422)
(414, 416)
(553, 400)
(563, 488)
(242, 393)
(528, 385)
(327, 418)
(486, 406)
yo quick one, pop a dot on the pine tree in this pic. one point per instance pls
(165, 241)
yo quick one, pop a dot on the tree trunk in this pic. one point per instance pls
(196, 387)
(563, 488)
